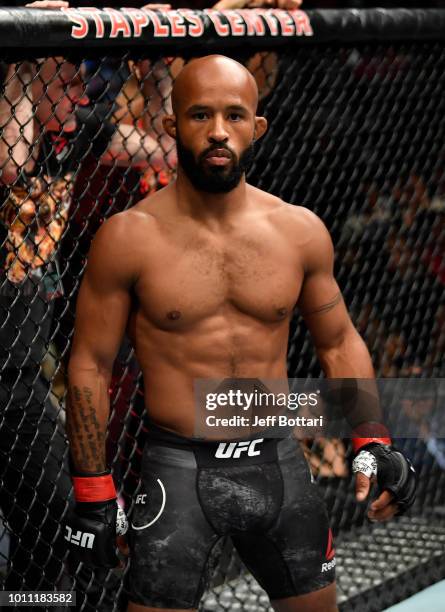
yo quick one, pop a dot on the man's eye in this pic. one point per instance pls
(200, 116)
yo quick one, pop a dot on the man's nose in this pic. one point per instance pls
(218, 130)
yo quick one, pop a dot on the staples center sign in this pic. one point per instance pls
(131, 22)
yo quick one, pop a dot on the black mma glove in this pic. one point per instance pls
(377, 457)
(96, 520)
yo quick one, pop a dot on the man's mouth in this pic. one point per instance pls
(218, 157)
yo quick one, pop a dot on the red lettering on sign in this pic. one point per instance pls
(159, 29)
(95, 14)
(197, 26)
(119, 23)
(80, 27)
(270, 19)
(236, 23)
(302, 23)
(286, 22)
(221, 28)
(255, 25)
(139, 19)
(177, 23)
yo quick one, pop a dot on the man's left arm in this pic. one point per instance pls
(343, 354)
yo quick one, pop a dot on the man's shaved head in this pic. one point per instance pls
(214, 102)
(199, 73)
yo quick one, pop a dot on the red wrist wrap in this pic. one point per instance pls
(366, 433)
(94, 488)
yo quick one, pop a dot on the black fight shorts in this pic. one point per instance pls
(191, 495)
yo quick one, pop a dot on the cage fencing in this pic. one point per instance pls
(356, 108)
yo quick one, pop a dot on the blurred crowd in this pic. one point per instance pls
(94, 146)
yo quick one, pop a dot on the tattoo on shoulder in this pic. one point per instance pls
(326, 307)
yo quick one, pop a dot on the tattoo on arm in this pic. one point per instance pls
(87, 440)
(325, 307)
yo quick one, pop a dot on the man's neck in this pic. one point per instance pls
(210, 208)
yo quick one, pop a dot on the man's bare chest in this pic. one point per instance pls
(192, 280)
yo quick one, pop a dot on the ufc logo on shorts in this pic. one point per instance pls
(79, 538)
(141, 498)
(234, 449)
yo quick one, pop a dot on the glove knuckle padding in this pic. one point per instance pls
(91, 532)
(395, 474)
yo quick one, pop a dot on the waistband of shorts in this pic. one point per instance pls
(213, 453)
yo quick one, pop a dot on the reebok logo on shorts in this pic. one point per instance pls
(325, 567)
(330, 554)
(233, 450)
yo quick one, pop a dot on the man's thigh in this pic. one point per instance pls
(171, 542)
(295, 556)
(323, 600)
(138, 608)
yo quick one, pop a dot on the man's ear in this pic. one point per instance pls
(260, 127)
(169, 124)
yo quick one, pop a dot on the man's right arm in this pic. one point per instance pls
(101, 317)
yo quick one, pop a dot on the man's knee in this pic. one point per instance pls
(323, 600)
(132, 607)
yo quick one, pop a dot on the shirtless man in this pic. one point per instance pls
(204, 276)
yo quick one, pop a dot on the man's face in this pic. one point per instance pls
(56, 92)
(215, 126)
(217, 169)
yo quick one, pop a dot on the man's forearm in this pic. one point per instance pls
(87, 418)
(95, 514)
(350, 359)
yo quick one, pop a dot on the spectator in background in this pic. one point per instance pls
(326, 457)
(415, 415)
(48, 128)
(38, 166)
(156, 78)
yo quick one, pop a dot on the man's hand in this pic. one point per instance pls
(381, 509)
(396, 479)
(48, 4)
(97, 523)
(230, 5)
(287, 5)
(156, 7)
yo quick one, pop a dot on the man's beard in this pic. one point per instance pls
(214, 179)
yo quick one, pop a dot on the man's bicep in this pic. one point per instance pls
(103, 304)
(320, 302)
(101, 318)
(323, 309)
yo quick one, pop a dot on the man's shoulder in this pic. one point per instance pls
(301, 215)
(120, 244)
(293, 216)
(128, 225)
(119, 248)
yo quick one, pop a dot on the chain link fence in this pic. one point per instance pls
(357, 132)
